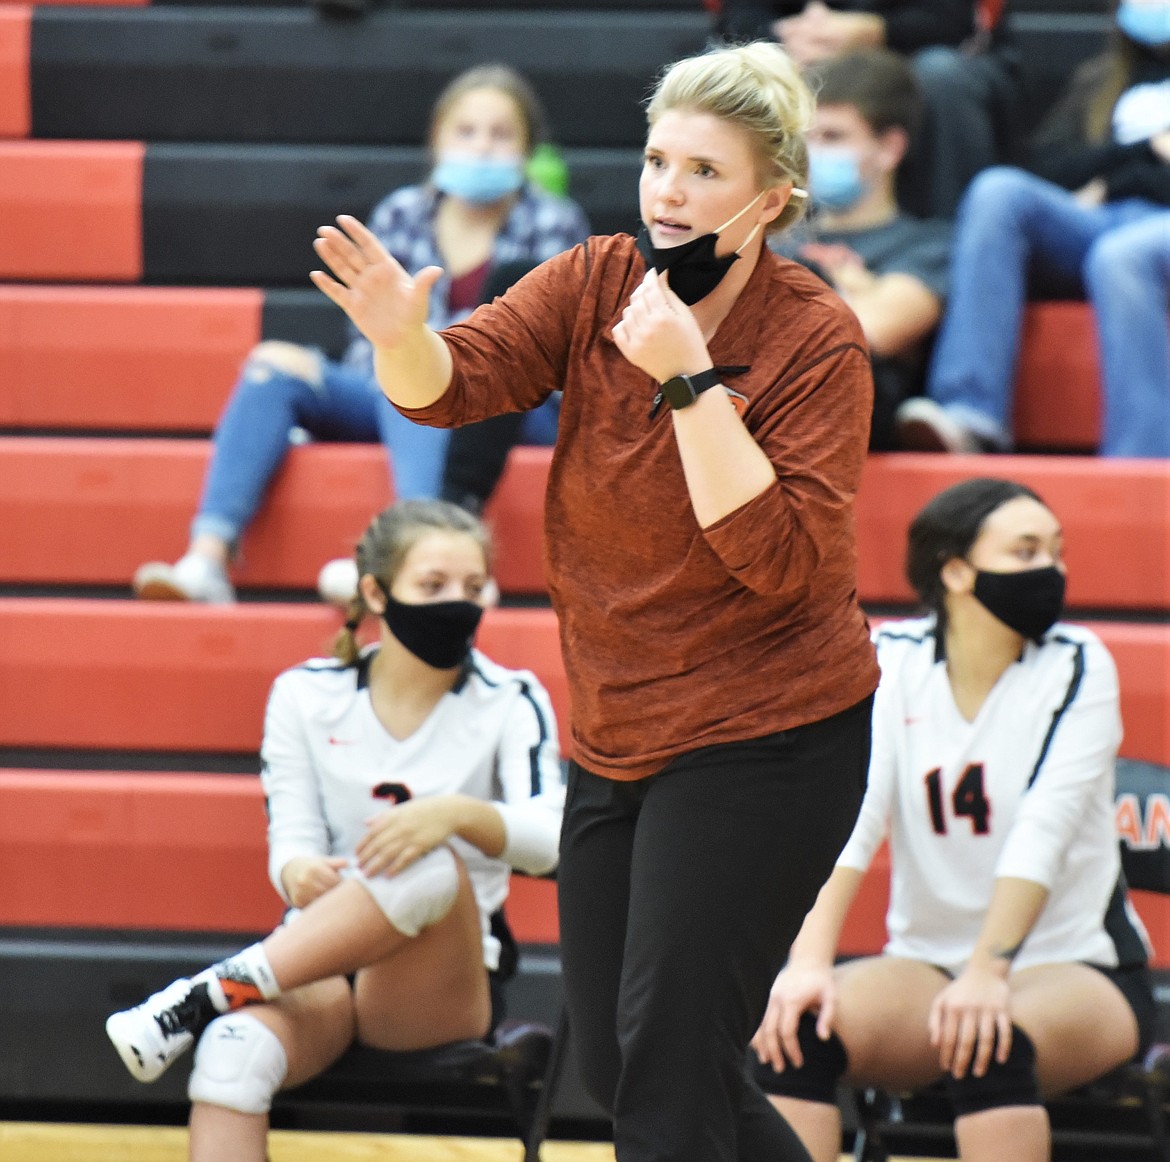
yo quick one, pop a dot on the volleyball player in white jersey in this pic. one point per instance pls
(1014, 966)
(403, 781)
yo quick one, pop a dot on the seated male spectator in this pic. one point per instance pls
(892, 269)
(962, 55)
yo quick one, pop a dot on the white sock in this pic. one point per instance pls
(243, 979)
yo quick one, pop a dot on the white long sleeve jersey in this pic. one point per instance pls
(328, 766)
(1026, 791)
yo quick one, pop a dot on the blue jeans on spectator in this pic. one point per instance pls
(1012, 223)
(345, 406)
(1127, 278)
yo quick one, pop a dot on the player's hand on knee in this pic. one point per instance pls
(797, 989)
(398, 836)
(385, 303)
(970, 1021)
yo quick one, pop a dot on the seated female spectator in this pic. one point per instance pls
(964, 60)
(402, 780)
(1093, 218)
(474, 215)
(1014, 968)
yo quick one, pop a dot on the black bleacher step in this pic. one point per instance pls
(291, 75)
(1051, 45)
(60, 985)
(247, 214)
(304, 315)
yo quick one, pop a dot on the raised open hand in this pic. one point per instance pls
(384, 302)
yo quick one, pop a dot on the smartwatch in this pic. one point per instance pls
(683, 390)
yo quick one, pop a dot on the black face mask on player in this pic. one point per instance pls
(693, 267)
(439, 633)
(1030, 602)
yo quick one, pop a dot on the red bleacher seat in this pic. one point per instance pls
(59, 498)
(122, 358)
(154, 357)
(135, 850)
(101, 850)
(162, 676)
(169, 851)
(15, 38)
(72, 210)
(1115, 513)
(77, 511)
(1058, 393)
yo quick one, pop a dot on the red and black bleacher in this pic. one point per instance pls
(162, 170)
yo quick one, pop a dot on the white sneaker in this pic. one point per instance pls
(338, 581)
(925, 426)
(155, 1033)
(192, 577)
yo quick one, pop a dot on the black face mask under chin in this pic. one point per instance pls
(439, 633)
(1030, 602)
(694, 269)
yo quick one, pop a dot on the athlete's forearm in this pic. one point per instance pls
(1015, 907)
(820, 934)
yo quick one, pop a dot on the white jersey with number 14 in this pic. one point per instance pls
(1024, 791)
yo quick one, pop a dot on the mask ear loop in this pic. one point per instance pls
(736, 217)
(796, 192)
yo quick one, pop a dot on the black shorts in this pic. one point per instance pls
(1137, 986)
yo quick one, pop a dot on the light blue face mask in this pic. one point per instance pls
(1148, 24)
(834, 177)
(481, 180)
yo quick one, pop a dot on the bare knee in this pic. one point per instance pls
(274, 356)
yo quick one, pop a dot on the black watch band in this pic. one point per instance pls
(683, 390)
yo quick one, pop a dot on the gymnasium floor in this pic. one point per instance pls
(32, 1142)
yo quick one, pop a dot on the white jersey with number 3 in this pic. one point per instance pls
(1024, 791)
(329, 765)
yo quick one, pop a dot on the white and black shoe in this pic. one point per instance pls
(192, 577)
(921, 425)
(154, 1034)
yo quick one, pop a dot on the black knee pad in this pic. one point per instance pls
(1011, 1084)
(816, 1080)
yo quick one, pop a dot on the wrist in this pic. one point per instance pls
(996, 964)
(681, 391)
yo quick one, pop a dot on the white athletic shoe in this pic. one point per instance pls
(925, 426)
(155, 1033)
(338, 581)
(193, 577)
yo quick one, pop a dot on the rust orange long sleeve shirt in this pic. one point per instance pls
(677, 637)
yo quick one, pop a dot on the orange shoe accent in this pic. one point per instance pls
(240, 993)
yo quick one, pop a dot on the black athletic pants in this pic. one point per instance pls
(680, 894)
